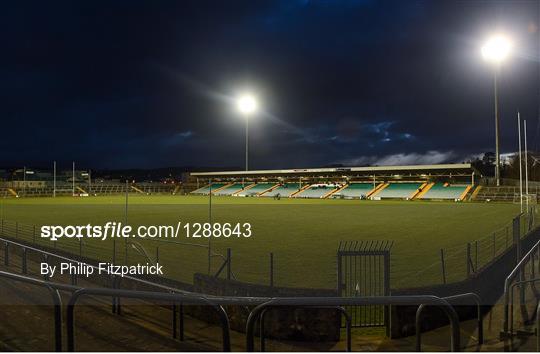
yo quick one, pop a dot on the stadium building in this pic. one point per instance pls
(435, 182)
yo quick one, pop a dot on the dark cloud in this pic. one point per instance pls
(151, 83)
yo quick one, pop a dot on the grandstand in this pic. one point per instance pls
(255, 189)
(230, 189)
(355, 190)
(397, 191)
(283, 190)
(316, 191)
(426, 182)
(206, 189)
(444, 191)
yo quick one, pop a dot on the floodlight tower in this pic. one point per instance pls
(247, 105)
(495, 51)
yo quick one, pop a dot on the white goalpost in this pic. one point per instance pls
(527, 199)
(524, 197)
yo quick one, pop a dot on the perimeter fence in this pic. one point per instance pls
(183, 259)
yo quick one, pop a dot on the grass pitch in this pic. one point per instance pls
(303, 234)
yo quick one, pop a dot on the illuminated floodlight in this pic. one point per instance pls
(247, 104)
(496, 49)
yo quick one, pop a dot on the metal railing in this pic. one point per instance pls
(150, 250)
(468, 296)
(449, 311)
(522, 305)
(56, 299)
(54, 289)
(342, 311)
(27, 248)
(518, 271)
(182, 298)
(217, 302)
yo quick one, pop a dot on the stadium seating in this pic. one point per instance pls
(315, 191)
(398, 191)
(354, 190)
(206, 189)
(440, 191)
(229, 190)
(284, 190)
(255, 190)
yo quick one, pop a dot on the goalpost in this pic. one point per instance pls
(527, 199)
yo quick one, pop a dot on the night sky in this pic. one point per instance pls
(125, 84)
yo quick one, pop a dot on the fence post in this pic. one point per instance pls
(271, 269)
(494, 246)
(34, 234)
(6, 254)
(443, 267)
(209, 253)
(516, 230)
(531, 261)
(74, 278)
(181, 323)
(475, 256)
(339, 268)
(468, 259)
(539, 269)
(24, 267)
(113, 284)
(174, 319)
(228, 264)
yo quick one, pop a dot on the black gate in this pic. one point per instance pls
(364, 270)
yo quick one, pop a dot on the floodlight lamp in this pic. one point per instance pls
(247, 104)
(496, 49)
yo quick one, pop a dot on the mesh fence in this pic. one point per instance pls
(172, 255)
(448, 265)
(461, 261)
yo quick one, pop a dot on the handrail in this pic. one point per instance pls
(511, 316)
(348, 324)
(465, 296)
(57, 303)
(217, 301)
(479, 319)
(356, 301)
(194, 300)
(260, 302)
(510, 278)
